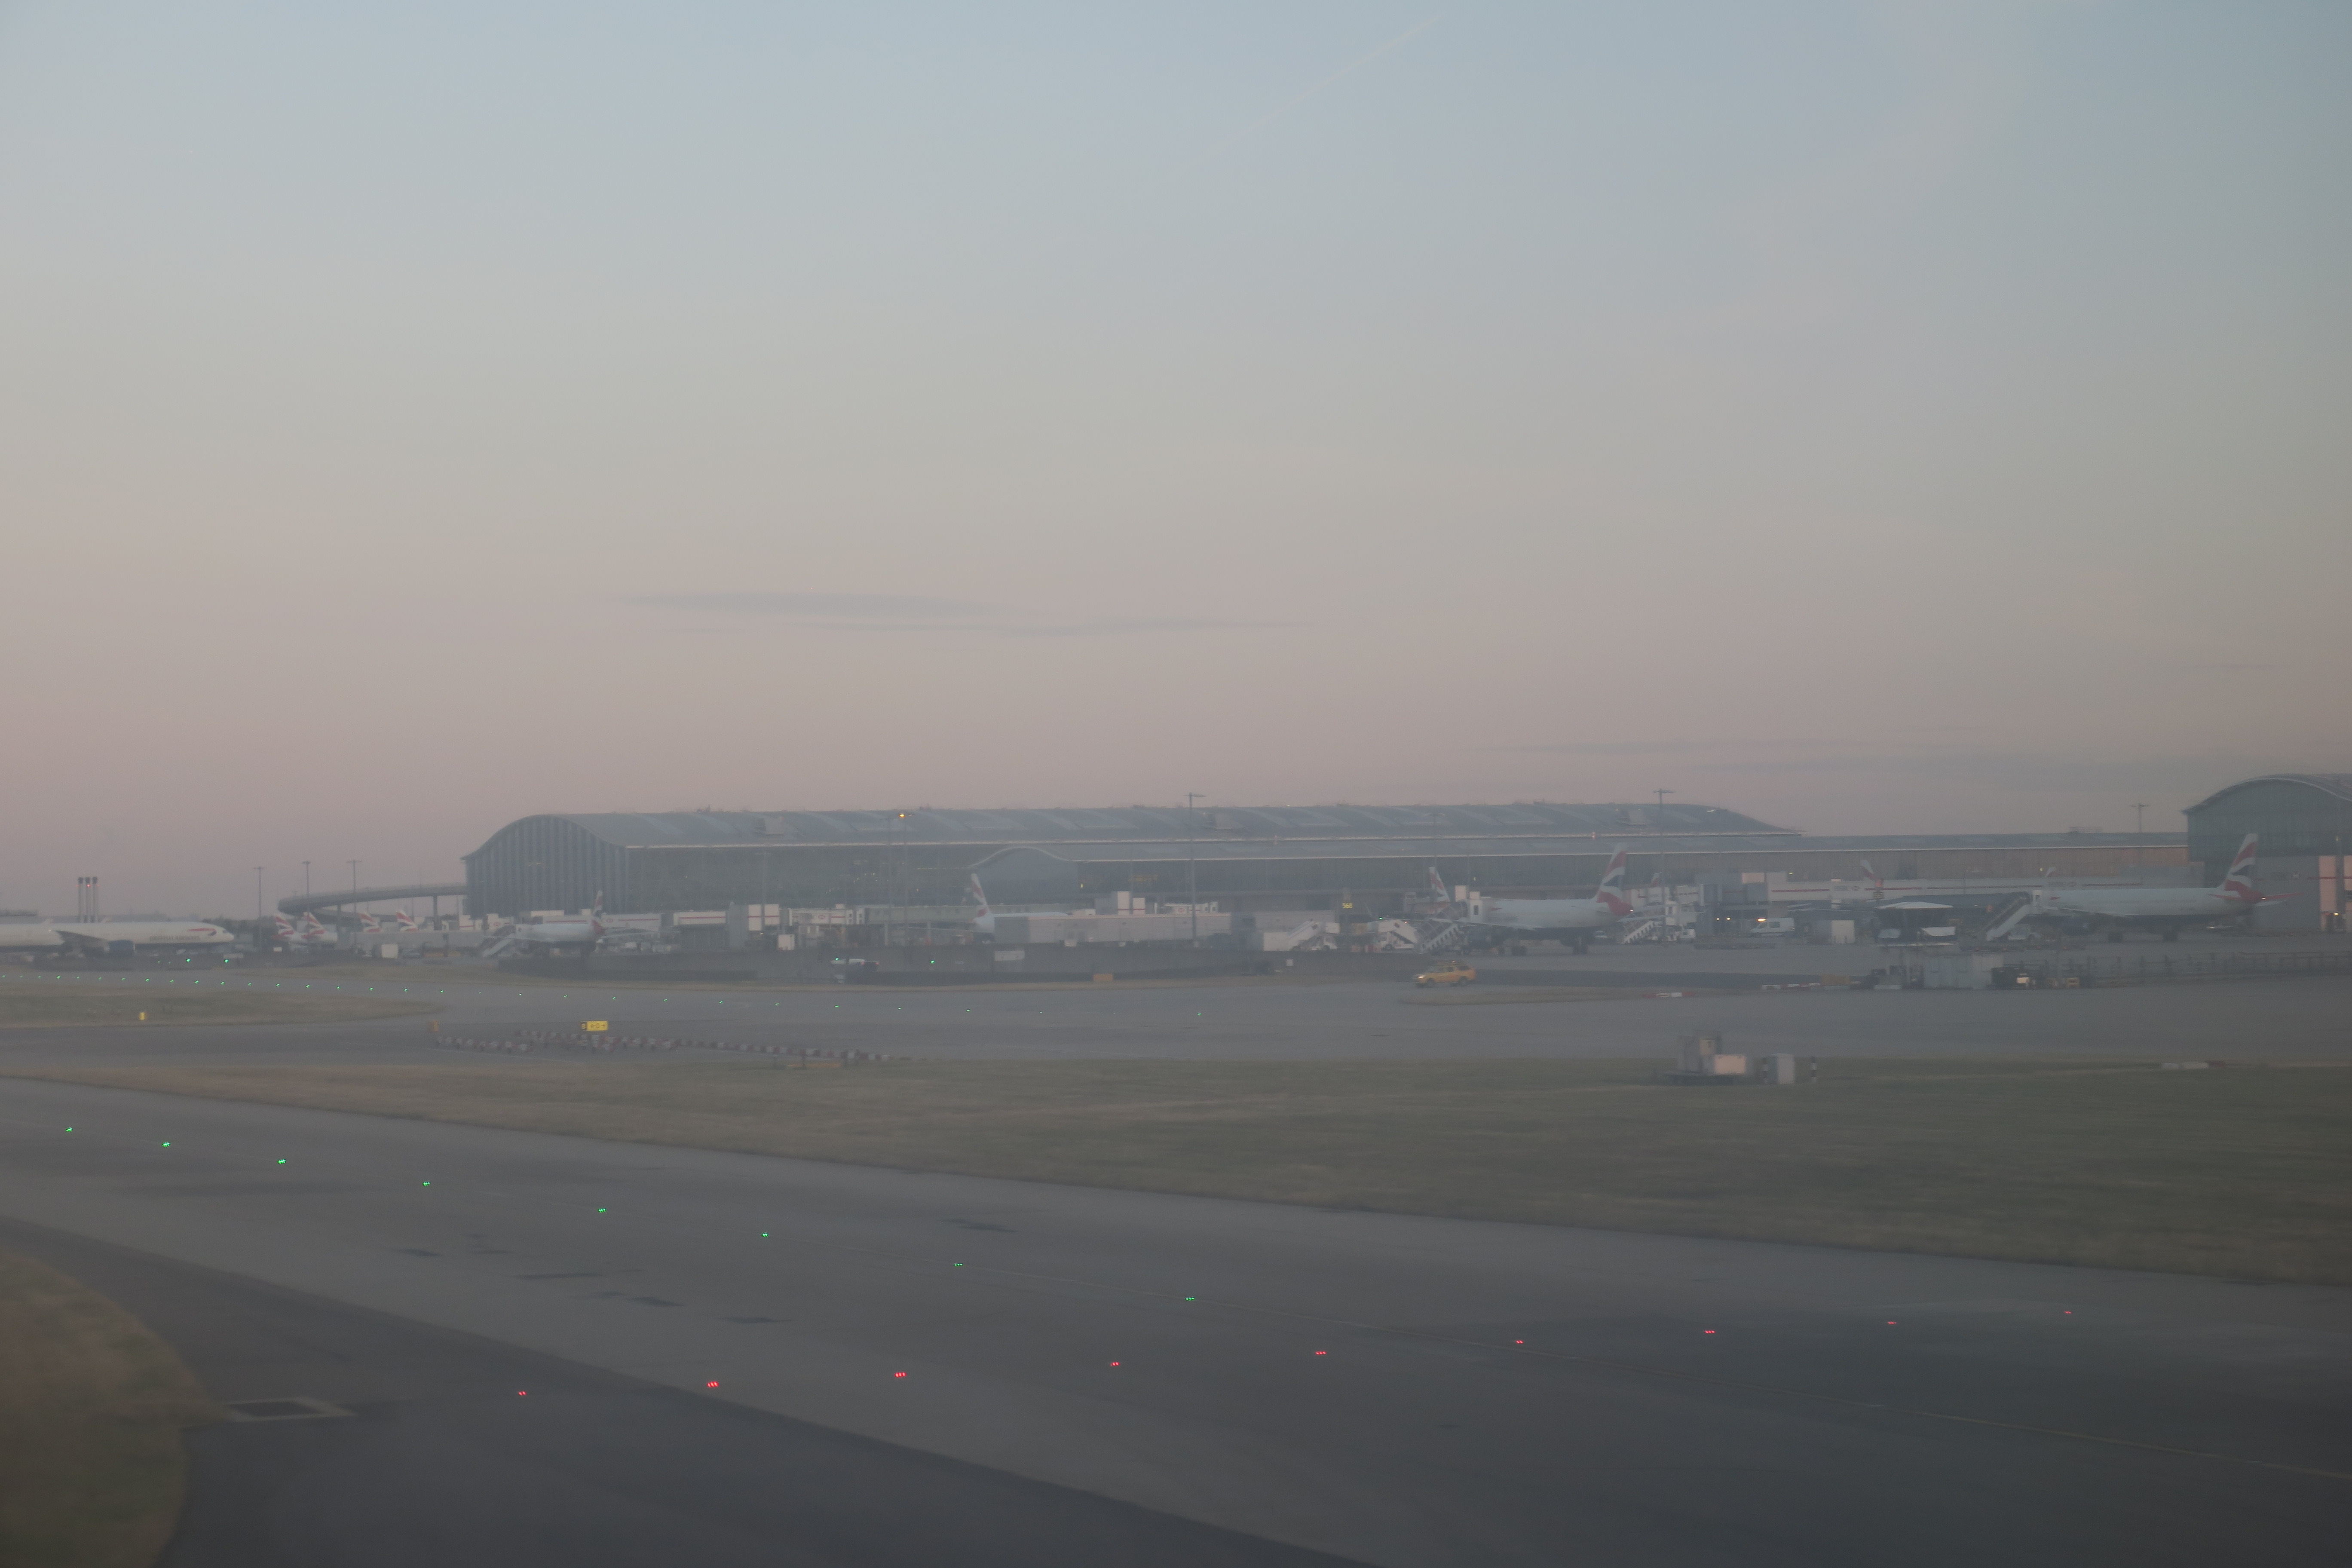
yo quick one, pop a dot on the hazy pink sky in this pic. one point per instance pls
(1866, 416)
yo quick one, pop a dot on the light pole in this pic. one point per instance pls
(1661, 794)
(1191, 880)
(2139, 833)
(256, 901)
(306, 878)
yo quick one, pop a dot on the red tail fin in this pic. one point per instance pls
(2240, 883)
(1612, 894)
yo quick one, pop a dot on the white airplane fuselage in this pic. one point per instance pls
(2170, 904)
(2168, 907)
(986, 924)
(1532, 915)
(553, 936)
(558, 934)
(102, 936)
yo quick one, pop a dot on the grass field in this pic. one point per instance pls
(41, 1003)
(91, 1406)
(2242, 1172)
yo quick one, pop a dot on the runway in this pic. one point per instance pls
(447, 1448)
(1383, 1389)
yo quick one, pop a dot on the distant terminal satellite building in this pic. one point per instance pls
(1371, 858)
(2304, 821)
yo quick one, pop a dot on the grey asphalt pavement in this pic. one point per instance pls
(1387, 1389)
(442, 1448)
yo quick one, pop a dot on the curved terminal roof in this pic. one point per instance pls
(2337, 784)
(1143, 824)
(1638, 843)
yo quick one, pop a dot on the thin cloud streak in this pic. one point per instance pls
(790, 605)
(1650, 748)
(1143, 627)
(911, 613)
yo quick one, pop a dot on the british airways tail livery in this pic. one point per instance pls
(1571, 921)
(1612, 893)
(984, 922)
(2166, 908)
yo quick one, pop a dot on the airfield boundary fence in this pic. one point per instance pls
(524, 1041)
(2095, 968)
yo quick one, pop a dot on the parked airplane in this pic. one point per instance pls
(984, 922)
(1571, 921)
(405, 921)
(2166, 908)
(310, 933)
(369, 924)
(112, 936)
(555, 936)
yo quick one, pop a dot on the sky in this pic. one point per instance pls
(1868, 416)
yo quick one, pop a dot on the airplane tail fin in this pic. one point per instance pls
(596, 915)
(1437, 888)
(2240, 883)
(1612, 893)
(980, 895)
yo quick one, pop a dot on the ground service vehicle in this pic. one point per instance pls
(1448, 972)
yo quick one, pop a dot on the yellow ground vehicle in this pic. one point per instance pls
(1446, 972)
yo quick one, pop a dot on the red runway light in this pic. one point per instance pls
(1707, 1330)
(1322, 1352)
(898, 1374)
(1114, 1364)
(522, 1394)
(709, 1386)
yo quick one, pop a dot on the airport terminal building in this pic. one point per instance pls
(2304, 821)
(1373, 859)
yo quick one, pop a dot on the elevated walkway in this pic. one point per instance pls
(302, 903)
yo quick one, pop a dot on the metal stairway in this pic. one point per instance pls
(2005, 919)
(1449, 936)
